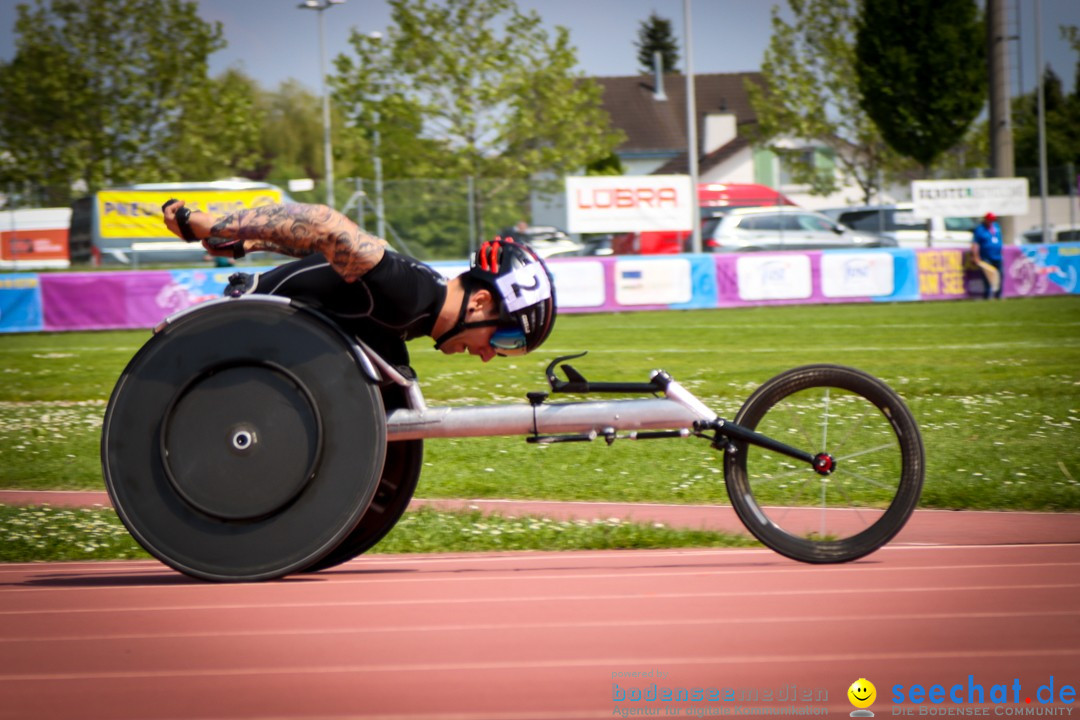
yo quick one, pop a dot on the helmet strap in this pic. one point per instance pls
(461, 326)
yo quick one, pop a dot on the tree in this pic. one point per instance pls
(922, 72)
(474, 88)
(655, 35)
(223, 142)
(115, 91)
(811, 95)
(1062, 134)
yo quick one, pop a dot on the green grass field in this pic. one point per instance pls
(994, 386)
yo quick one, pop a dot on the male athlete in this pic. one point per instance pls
(503, 305)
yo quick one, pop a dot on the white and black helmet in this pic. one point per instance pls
(524, 288)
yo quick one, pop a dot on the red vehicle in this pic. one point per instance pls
(714, 199)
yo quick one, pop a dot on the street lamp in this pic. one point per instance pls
(321, 5)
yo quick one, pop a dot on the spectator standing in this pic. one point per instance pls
(986, 253)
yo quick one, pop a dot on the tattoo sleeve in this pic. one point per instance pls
(299, 230)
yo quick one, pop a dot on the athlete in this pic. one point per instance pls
(503, 305)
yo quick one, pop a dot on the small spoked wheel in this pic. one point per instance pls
(867, 472)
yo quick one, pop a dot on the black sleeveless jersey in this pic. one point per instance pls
(397, 300)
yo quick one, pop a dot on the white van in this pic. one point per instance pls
(899, 223)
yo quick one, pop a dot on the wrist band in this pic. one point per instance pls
(183, 221)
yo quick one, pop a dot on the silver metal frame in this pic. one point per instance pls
(677, 410)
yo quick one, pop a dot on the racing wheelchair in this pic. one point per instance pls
(251, 438)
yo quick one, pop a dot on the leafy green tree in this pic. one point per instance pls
(474, 88)
(811, 95)
(290, 142)
(1062, 135)
(221, 143)
(655, 35)
(922, 72)
(116, 91)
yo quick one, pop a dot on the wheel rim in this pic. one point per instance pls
(848, 506)
(866, 477)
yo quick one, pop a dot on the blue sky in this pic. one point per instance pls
(273, 40)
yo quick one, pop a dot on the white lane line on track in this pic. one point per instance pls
(756, 659)
(262, 604)
(725, 506)
(574, 574)
(552, 625)
(532, 556)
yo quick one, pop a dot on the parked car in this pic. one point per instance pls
(714, 200)
(1058, 233)
(899, 223)
(782, 228)
(546, 240)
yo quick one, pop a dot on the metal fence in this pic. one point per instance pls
(443, 219)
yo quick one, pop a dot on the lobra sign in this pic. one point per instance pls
(623, 203)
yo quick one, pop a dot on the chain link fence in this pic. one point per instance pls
(447, 219)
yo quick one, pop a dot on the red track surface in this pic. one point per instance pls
(533, 635)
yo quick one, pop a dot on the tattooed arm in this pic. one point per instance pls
(296, 230)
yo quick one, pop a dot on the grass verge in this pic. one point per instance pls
(995, 388)
(44, 533)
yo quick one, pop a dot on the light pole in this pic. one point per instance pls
(328, 155)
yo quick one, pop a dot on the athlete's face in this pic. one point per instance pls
(475, 341)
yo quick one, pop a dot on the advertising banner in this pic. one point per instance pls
(941, 274)
(20, 303)
(579, 284)
(622, 203)
(651, 281)
(1042, 269)
(970, 198)
(132, 299)
(857, 274)
(137, 213)
(774, 277)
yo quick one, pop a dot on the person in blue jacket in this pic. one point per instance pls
(986, 253)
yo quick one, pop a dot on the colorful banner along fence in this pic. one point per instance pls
(129, 299)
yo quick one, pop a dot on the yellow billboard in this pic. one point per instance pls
(137, 213)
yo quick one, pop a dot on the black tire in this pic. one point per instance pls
(243, 441)
(874, 488)
(401, 471)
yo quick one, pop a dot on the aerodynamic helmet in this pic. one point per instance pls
(522, 285)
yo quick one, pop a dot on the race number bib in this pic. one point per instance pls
(524, 287)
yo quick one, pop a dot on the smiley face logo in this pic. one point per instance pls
(862, 693)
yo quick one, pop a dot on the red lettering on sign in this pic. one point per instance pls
(627, 198)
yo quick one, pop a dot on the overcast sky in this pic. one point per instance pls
(273, 40)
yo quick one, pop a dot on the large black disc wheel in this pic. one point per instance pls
(401, 471)
(244, 441)
(868, 440)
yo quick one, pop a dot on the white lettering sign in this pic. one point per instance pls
(775, 277)
(857, 274)
(623, 203)
(970, 198)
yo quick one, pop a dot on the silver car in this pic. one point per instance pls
(782, 228)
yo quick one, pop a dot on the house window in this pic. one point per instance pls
(822, 159)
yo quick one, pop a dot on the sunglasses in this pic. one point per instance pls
(509, 341)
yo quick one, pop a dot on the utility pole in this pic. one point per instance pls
(1001, 140)
(691, 130)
